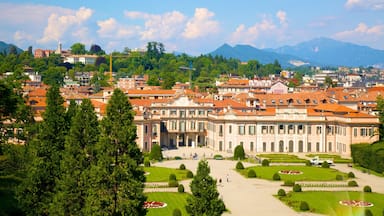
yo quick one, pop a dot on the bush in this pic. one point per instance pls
(178, 158)
(296, 188)
(276, 177)
(304, 206)
(352, 184)
(147, 163)
(251, 173)
(289, 183)
(239, 153)
(325, 164)
(368, 212)
(218, 157)
(180, 188)
(367, 189)
(189, 174)
(351, 175)
(339, 177)
(265, 162)
(182, 167)
(173, 183)
(308, 163)
(155, 153)
(281, 192)
(239, 165)
(171, 177)
(176, 212)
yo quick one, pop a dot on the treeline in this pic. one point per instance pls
(163, 68)
(369, 156)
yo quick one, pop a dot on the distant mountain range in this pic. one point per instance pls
(4, 48)
(316, 52)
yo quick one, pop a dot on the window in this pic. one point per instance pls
(251, 146)
(309, 129)
(272, 129)
(173, 112)
(355, 132)
(300, 129)
(309, 147)
(264, 129)
(318, 130)
(317, 146)
(221, 130)
(272, 146)
(241, 143)
(145, 129)
(264, 146)
(371, 132)
(330, 146)
(201, 126)
(193, 125)
(251, 130)
(192, 112)
(201, 112)
(163, 112)
(230, 145)
(182, 114)
(230, 129)
(241, 129)
(173, 125)
(291, 129)
(281, 128)
(182, 126)
(363, 132)
(154, 130)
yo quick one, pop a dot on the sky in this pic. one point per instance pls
(194, 27)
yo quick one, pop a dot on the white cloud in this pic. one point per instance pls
(58, 25)
(110, 28)
(20, 36)
(363, 34)
(201, 24)
(365, 4)
(282, 16)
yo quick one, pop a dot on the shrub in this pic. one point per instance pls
(239, 165)
(351, 175)
(367, 189)
(304, 206)
(155, 153)
(352, 184)
(189, 174)
(281, 192)
(296, 188)
(147, 163)
(251, 173)
(218, 157)
(289, 183)
(171, 177)
(173, 183)
(178, 158)
(180, 188)
(339, 177)
(239, 153)
(325, 164)
(176, 212)
(265, 162)
(368, 212)
(308, 163)
(182, 167)
(276, 177)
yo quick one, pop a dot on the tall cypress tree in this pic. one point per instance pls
(72, 185)
(205, 197)
(36, 191)
(117, 180)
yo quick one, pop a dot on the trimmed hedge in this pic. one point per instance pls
(171, 177)
(176, 212)
(276, 177)
(156, 153)
(325, 164)
(182, 167)
(369, 156)
(239, 153)
(239, 165)
(352, 183)
(189, 174)
(339, 177)
(173, 183)
(281, 192)
(367, 189)
(265, 162)
(147, 163)
(304, 206)
(288, 183)
(296, 188)
(351, 175)
(251, 173)
(180, 188)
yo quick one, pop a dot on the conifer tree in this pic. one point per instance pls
(205, 197)
(117, 180)
(78, 155)
(36, 191)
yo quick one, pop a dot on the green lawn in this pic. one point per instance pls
(335, 158)
(161, 174)
(173, 200)
(308, 173)
(328, 202)
(282, 158)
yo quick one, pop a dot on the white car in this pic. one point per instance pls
(317, 161)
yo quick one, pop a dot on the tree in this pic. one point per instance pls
(36, 190)
(117, 179)
(156, 153)
(54, 76)
(239, 153)
(78, 49)
(72, 186)
(205, 197)
(380, 109)
(96, 49)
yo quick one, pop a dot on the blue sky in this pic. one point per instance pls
(194, 27)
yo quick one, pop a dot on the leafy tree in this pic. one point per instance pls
(78, 49)
(36, 191)
(205, 197)
(72, 186)
(96, 49)
(54, 76)
(8, 100)
(380, 109)
(117, 179)
(156, 153)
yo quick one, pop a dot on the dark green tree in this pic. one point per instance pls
(155, 153)
(72, 186)
(36, 191)
(380, 109)
(78, 49)
(54, 76)
(205, 197)
(239, 153)
(96, 49)
(117, 179)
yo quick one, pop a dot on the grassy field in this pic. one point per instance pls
(282, 158)
(308, 173)
(335, 158)
(173, 200)
(161, 174)
(328, 202)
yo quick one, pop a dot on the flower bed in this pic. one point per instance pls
(290, 172)
(154, 204)
(356, 203)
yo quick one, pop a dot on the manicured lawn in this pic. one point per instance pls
(335, 158)
(308, 173)
(328, 202)
(173, 200)
(161, 174)
(282, 158)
